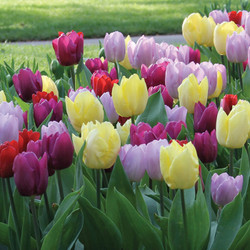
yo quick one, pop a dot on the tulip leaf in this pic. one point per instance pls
(119, 180)
(24, 105)
(140, 204)
(71, 229)
(190, 126)
(228, 225)
(99, 231)
(211, 55)
(125, 72)
(154, 112)
(4, 234)
(197, 218)
(247, 203)
(30, 117)
(45, 121)
(135, 229)
(83, 74)
(245, 171)
(246, 83)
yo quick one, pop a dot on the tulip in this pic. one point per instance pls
(8, 108)
(191, 92)
(94, 64)
(232, 129)
(206, 146)
(160, 51)
(152, 158)
(113, 74)
(53, 128)
(155, 74)
(221, 32)
(176, 114)
(244, 17)
(249, 57)
(114, 46)
(179, 165)
(133, 161)
(49, 85)
(235, 17)
(205, 117)
(25, 118)
(83, 109)
(2, 96)
(143, 52)
(37, 148)
(174, 128)
(68, 48)
(25, 137)
(194, 55)
(237, 47)
(8, 128)
(123, 131)
(108, 104)
(26, 83)
(30, 174)
(130, 97)
(72, 94)
(125, 62)
(180, 54)
(246, 106)
(219, 16)
(8, 152)
(228, 101)
(224, 188)
(247, 24)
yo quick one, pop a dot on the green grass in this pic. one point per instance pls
(41, 20)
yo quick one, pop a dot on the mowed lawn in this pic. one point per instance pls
(22, 20)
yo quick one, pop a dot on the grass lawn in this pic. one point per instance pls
(42, 19)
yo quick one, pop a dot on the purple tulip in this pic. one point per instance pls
(8, 108)
(225, 188)
(133, 161)
(143, 52)
(109, 107)
(168, 100)
(180, 54)
(25, 118)
(68, 48)
(219, 16)
(174, 128)
(155, 74)
(176, 113)
(194, 55)
(249, 57)
(114, 46)
(244, 17)
(35, 147)
(206, 146)
(152, 158)
(72, 94)
(8, 128)
(30, 174)
(94, 64)
(205, 117)
(27, 83)
(113, 74)
(44, 107)
(247, 24)
(52, 128)
(160, 50)
(237, 47)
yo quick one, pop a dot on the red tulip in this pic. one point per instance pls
(235, 17)
(228, 102)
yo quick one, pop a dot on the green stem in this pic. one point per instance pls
(162, 211)
(60, 186)
(246, 147)
(105, 179)
(231, 162)
(47, 206)
(150, 183)
(229, 72)
(35, 222)
(217, 102)
(72, 73)
(5, 207)
(133, 119)
(184, 217)
(222, 59)
(117, 70)
(98, 189)
(240, 76)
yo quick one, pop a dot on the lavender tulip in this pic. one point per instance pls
(72, 94)
(178, 54)
(52, 128)
(30, 174)
(177, 113)
(219, 16)
(27, 83)
(247, 24)
(133, 161)
(94, 64)
(224, 188)
(114, 46)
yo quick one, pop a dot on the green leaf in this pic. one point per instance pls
(31, 117)
(4, 235)
(245, 171)
(140, 204)
(45, 121)
(229, 224)
(24, 105)
(190, 126)
(134, 228)
(99, 231)
(246, 83)
(154, 112)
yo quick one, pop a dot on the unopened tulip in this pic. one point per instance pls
(2, 96)
(68, 47)
(52, 128)
(27, 83)
(94, 64)
(25, 137)
(191, 92)
(125, 62)
(219, 16)
(194, 55)
(8, 128)
(235, 16)
(228, 101)
(176, 113)
(123, 131)
(72, 94)
(224, 188)
(130, 97)
(114, 46)
(49, 85)
(85, 108)
(246, 105)
(206, 146)
(247, 24)
(174, 128)
(30, 174)
(179, 165)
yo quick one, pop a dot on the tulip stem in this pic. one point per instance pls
(229, 71)
(98, 189)
(240, 76)
(5, 207)
(105, 179)
(117, 70)
(222, 59)
(150, 183)
(60, 186)
(47, 206)
(184, 217)
(133, 119)
(35, 222)
(72, 73)
(161, 198)
(231, 162)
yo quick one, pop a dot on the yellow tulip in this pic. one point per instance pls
(85, 108)
(125, 62)
(123, 131)
(131, 96)
(246, 106)
(49, 85)
(2, 96)
(232, 130)
(221, 32)
(196, 28)
(179, 165)
(191, 92)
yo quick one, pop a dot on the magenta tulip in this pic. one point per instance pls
(173, 129)
(94, 64)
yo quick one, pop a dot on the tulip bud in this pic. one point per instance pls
(228, 101)
(194, 55)
(174, 128)
(168, 100)
(96, 64)
(8, 128)
(25, 137)
(235, 17)
(49, 85)
(219, 16)
(125, 62)
(224, 188)
(176, 113)
(123, 131)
